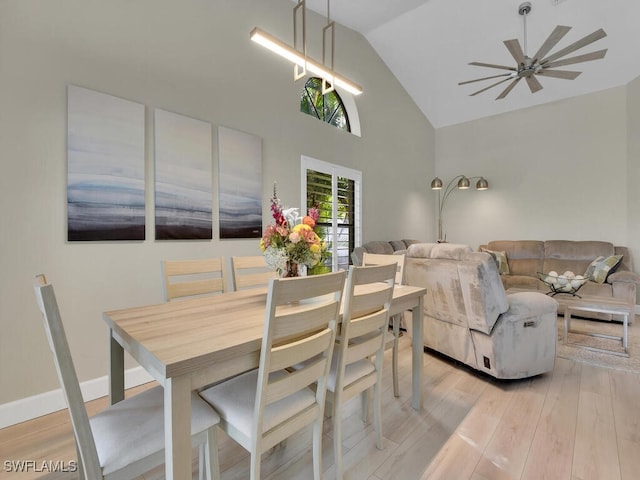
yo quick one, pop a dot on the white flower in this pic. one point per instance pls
(276, 258)
(291, 215)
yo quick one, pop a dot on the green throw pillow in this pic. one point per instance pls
(602, 267)
(501, 260)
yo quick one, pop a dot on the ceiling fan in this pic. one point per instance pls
(530, 67)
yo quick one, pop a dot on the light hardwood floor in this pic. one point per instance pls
(580, 422)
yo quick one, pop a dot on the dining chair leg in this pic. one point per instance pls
(317, 450)
(81, 475)
(377, 415)
(394, 354)
(256, 456)
(211, 455)
(364, 403)
(201, 462)
(337, 437)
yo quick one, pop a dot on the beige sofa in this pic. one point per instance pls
(469, 317)
(526, 258)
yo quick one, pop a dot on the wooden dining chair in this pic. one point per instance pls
(190, 278)
(263, 407)
(369, 259)
(127, 439)
(251, 272)
(357, 358)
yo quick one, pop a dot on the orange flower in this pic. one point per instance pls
(307, 220)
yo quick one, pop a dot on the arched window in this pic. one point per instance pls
(328, 108)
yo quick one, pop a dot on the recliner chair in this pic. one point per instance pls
(468, 315)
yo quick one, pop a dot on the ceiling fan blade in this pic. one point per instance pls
(534, 84)
(490, 86)
(583, 42)
(506, 91)
(515, 50)
(551, 41)
(491, 65)
(565, 74)
(485, 78)
(587, 57)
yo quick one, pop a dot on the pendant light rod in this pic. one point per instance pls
(300, 71)
(328, 84)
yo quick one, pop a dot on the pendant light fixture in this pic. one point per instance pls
(298, 54)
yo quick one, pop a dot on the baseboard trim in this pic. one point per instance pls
(35, 406)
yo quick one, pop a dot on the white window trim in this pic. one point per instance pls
(309, 163)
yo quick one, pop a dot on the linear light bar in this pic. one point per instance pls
(272, 43)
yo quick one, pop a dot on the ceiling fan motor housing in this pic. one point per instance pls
(524, 8)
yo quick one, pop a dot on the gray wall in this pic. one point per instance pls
(191, 57)
(564, 170)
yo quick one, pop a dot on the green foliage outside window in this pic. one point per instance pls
(328, 108)
(342, 233)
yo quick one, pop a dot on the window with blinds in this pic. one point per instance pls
(334, 191)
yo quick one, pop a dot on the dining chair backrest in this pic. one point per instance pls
(360, 346)
(126, 439)
(251, 272)
(300, 324)
(190, 278)
(68, 378)
(261, 408)
(370, 259)
(365, 318)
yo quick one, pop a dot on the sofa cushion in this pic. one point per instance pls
(574, 256)
(601, 267)
(501, 260)
(523, 256)
(398, 245)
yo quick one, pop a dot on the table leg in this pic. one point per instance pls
(417, 354)
(177, 428)
(567, 321)
(116, 370)
(625, 332)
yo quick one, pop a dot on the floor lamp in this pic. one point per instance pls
(461, 182)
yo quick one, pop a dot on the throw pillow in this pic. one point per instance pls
(602, 267)
(501, 260)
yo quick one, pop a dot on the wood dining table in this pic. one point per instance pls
(188, 344)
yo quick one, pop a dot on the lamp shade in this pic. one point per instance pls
(482, 184)
(436, 184)
(463, 183)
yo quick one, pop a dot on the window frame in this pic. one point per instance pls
(309, 163)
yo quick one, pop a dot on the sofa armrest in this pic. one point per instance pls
(624, 276)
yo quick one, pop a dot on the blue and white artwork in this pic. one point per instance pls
(240, 184)
(105, 167)
(183, 177)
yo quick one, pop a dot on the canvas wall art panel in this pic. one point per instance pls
(240, 184)
(183, 177)
(105, 167)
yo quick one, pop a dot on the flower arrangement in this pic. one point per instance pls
(291, 240)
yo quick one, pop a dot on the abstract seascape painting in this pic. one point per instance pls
(240, 184)
(105, 167)
(183, 177)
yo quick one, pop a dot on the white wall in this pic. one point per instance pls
(191, 57)
(556, 171)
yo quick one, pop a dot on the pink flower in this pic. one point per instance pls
(314, 213)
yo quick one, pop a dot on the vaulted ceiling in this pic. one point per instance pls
(427, 44)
